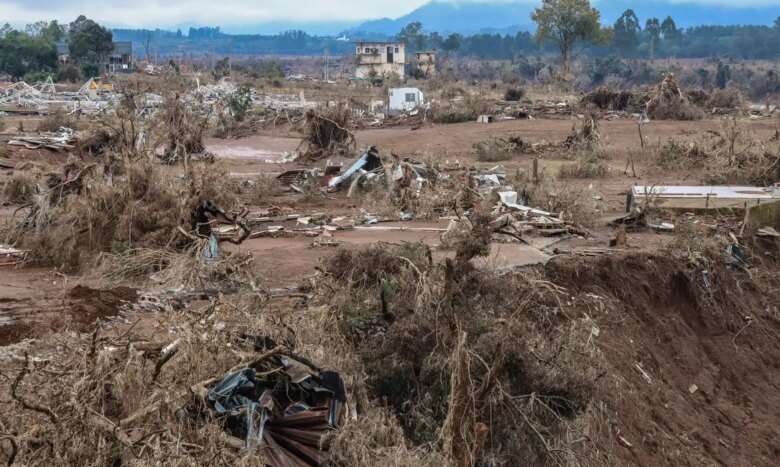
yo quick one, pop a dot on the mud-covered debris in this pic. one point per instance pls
(768, 232)
(62, 140)
(201, 220)
(280, 403)
(367, 166)
(667, 102)
(10, 256)
(528, 219)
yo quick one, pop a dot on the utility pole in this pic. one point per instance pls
(327, 65)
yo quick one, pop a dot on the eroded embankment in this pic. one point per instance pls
(692, 358)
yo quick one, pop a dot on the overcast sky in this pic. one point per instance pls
(227, 13)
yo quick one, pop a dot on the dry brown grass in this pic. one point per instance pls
(584, 168)
(181, 128)
(730, 155)
(576, 204)
(19, 188)
(142, 206)
(450, 362)
(56, 120)
(496, 149)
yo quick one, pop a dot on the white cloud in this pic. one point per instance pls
(227, 13)
(153, 13)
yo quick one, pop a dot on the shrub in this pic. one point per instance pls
(495, 150)
(679, 154)
(90, 70)
(514, 94)
(587, 165)
(55, 120)
(240, 102)
(728, 98)
(19, 189)
(69, 73)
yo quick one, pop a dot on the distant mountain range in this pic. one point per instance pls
(510, 17)
(464, 18)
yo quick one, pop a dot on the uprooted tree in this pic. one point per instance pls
(327, 133)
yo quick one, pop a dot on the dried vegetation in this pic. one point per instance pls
(730, 155)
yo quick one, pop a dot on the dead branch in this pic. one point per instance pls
(26, 404)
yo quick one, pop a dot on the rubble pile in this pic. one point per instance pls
(63, 140)
(41, 98)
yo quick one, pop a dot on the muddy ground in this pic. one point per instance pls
(689, 387)
(285, 261)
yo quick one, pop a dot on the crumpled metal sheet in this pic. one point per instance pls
(287, 413)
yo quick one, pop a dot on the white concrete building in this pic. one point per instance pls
(379, 59)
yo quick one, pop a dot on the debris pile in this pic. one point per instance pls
(41, 98)
(366, 169)
(607, 99)
(525, 219)
(63, 140)
(279, 403)
(731, 155)
(667, 102)
(200, 393)
(10, 256)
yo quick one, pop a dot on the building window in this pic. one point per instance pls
(396, 50)
(368, 51)
(411, 97)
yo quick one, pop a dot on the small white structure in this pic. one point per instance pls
(404, 99)
(703, 197)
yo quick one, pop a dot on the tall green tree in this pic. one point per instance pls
(51, 31)
(626, 33)
(567, 23)
(452, 43)
(412, 35)
(653, 31)
(723, 75)
(22, 54)
(669, 30)
(88, 41)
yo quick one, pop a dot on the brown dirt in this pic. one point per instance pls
(656, 314)
(89, 305)
(682, 333)
(36, 302)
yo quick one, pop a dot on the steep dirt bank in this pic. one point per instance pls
(692, 356)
